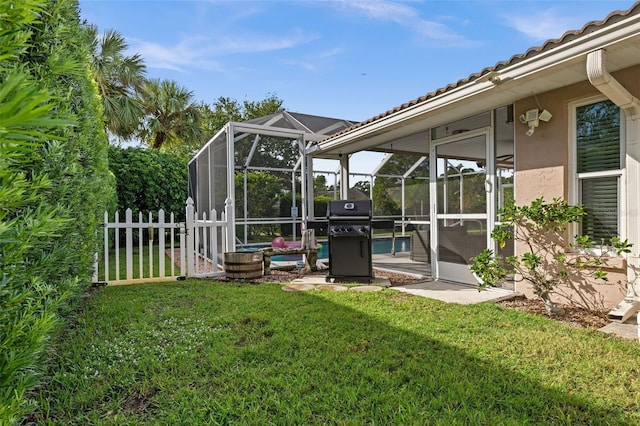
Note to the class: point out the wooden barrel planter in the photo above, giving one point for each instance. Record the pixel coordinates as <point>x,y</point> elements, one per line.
<point>243,265</point>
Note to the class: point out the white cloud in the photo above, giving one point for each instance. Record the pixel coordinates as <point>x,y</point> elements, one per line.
<point>317,61</point>
<point>305,65</point>
<point>331,52</point>
<point>207,52</point>
<point>409,17</point>
<point>186,54</point>
<point>543,24</point>
<point>395,12</point>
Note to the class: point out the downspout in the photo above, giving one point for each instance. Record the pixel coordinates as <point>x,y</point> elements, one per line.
<point>619,95</point>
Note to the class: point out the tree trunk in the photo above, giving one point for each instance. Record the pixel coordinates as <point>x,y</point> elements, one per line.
<point>158,140</point>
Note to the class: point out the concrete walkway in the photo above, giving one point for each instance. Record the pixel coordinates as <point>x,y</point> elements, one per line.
<point>401,263</point>
<point>454,293</point>
<point>440,290</point>
<point>629,329</point>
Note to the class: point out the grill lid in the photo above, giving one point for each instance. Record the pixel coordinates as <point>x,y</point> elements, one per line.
<point>350,210</point>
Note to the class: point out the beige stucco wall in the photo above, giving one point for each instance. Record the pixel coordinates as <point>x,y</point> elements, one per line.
<point>542,171</point>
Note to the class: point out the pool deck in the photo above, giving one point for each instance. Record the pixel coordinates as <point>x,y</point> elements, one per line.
<point>401,262</point>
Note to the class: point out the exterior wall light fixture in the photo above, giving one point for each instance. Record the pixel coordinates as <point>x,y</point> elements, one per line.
<point>533,117</point>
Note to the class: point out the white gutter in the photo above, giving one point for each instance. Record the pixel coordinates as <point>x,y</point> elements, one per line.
<point>619,95</point>
<point>511,76</point>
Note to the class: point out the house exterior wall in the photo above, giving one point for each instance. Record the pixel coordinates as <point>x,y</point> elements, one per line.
<point>541,165</point>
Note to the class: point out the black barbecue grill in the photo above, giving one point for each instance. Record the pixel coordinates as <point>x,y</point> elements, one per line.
<point>349,239</point>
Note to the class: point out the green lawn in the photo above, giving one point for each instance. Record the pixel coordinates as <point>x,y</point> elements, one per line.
<point>204,352</point>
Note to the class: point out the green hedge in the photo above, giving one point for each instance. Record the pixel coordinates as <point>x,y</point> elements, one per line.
<point>148,180</point>
<point>54,181</point>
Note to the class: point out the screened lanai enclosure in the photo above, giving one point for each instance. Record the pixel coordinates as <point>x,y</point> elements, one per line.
<point>273,173</point>
<point>451,196</point>
<point>258,166</point>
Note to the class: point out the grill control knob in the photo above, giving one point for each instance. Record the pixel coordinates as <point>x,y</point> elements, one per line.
<point>349,229</point>
<point>363,229</point>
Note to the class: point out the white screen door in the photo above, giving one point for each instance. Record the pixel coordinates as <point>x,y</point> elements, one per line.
<point>463,203</point>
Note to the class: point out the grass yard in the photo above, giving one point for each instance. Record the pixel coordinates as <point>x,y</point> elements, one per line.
<point>204,352</point>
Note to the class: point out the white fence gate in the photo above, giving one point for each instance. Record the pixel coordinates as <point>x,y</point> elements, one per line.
<point>207,241</point>
<point>193,248</point>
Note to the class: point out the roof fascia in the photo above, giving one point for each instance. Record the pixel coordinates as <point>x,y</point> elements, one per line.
<point>510,75</point>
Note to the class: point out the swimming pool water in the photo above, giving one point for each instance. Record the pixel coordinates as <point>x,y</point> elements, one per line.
<point>378,246</point>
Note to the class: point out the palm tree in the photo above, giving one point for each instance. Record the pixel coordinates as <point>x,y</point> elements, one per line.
<point>118,78</point>
<point>172,118</point>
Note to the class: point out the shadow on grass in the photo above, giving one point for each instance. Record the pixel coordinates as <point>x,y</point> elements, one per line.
<point>321,358</point>
<point>382,373</point>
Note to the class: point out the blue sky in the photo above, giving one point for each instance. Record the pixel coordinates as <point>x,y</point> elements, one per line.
<point>344,59</point>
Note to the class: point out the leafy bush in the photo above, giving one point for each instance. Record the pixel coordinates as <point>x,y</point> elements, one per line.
<point>541,227</point>
<point>148,180</point>
<point>53,182</point>
<point>27,225</point>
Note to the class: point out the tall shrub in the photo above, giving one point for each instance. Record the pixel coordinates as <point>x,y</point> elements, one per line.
<point>148,180</point>
<point>53,182</point>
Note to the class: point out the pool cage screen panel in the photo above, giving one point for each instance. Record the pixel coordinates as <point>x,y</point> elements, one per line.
<point>208,188</point>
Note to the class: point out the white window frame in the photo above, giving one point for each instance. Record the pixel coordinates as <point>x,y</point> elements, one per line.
<point>575,177</point>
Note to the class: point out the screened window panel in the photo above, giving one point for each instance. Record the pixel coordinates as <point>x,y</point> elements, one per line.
<point>600,200</point>
<point>598,137</point>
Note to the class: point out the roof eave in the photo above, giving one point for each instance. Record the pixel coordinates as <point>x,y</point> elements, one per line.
<point>480,90</point>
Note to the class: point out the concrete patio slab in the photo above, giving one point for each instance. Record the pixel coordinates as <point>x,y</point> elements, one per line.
<point>331,287</point>
<point>298,287</point>
<point>627,330</point>
<point>366,288</point>
<point>321,279</point>
<point>454,293</point>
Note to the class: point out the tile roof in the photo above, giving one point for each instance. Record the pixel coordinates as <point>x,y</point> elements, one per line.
<point>548,45</point>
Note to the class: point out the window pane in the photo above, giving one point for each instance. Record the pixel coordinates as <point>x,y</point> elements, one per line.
<point>598,137</point>
<point>600,200</point>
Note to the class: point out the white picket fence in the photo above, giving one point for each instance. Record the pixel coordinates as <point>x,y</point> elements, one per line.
<point>193,248</point>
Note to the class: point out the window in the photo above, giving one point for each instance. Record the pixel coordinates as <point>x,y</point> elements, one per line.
<point>598,169</point>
